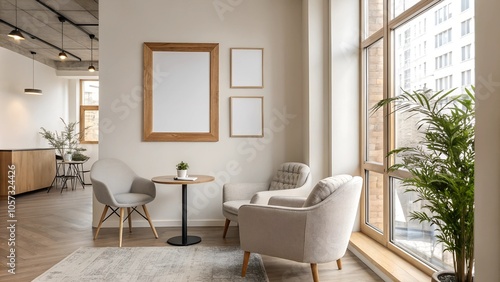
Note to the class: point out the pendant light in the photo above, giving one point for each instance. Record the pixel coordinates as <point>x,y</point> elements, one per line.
<point>91,67</point>
<point>62,54</point>
<point>33,91</point>
<point>15,33</point>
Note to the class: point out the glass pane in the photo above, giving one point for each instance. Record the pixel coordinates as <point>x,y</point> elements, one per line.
<point>375,121</point>
<point>91,123</point>
<point>465,5</point>
<point>90,93</point>
<point>375,16</point>
<point>375,200</point>
<point>416,238</point>
<point>399,6</point>
<point>431,55</point>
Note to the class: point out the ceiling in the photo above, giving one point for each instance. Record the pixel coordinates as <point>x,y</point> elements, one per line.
<point>38,21</point>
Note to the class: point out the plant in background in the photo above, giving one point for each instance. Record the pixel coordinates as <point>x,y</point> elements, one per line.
<point>182,166</point>
<point>55,140</point>
<point>78,156</point>
<point>442,168</point>
<point>66,141</point>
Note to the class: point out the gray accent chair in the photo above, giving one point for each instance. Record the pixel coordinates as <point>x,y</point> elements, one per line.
<point>118,187</point>
<point>313,230</point>
<point>291,179</point>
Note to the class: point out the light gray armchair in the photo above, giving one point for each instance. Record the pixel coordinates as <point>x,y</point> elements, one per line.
<point>316,232</point>
<point>117,187</point>
<point>291,179</point>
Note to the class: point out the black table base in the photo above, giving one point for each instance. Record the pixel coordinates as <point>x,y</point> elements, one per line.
<point>190,240</point>
<point>184,240</point>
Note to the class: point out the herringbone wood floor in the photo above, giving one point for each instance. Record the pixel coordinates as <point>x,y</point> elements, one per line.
<point>52,225</point>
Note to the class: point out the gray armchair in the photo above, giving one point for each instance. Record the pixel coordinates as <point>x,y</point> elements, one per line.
<point>291,179</point>
<point>117,187</point>
<point>316,232</point>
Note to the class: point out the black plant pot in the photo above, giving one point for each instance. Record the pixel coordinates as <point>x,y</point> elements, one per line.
<point>444,276</point>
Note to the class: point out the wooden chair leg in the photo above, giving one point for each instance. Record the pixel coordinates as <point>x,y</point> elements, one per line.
<point>101,220</point>
<point>122,212</point>
<point>226,226</point>
<point>339,264</point>
<point>129,221</point>
<point>246,258</point>
<point>314,269</point>
<point>149,220</point>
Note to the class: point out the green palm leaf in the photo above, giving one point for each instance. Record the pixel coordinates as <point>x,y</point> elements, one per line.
<point>442,167</point>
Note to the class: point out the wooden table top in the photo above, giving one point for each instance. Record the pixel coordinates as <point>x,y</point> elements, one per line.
<point>169,179</point>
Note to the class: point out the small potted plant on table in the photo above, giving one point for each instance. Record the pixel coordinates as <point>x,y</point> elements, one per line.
<point>182,168</point>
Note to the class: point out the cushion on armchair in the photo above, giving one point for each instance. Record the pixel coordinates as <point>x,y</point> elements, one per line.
<point>233,206</point>
<point>289,176</point>
<point>325,188</point>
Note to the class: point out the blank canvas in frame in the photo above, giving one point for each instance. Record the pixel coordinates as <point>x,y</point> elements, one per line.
<point>247,118</point>
<point>181,92</point>
<point>247,68</point>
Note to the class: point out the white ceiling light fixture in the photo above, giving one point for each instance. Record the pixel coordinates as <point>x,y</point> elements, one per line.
<point>91,67</point>
<point>33,91</point>
<point>62,54</point>
<point>15,33</point>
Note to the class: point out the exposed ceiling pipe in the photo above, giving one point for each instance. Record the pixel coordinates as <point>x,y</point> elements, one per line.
<point>79,26</point>
<point>38,38</point>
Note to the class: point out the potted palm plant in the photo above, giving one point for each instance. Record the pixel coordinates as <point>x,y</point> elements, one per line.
<point>442,169</point>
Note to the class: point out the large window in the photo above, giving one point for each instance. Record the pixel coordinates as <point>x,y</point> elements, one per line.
<point>89,111</point>
<point>397,58</point>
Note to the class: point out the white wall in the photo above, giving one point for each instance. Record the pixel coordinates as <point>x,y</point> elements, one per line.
<point>345,114</point>
<point>487,188</point>
<point>273,25</point>
<point>316,80</point>
<point>22,115</point>
<point>345,90</point>
<point>331,87</point>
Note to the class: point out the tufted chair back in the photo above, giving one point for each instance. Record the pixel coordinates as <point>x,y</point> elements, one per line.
<point>292,180</point>
<point>290,175</point>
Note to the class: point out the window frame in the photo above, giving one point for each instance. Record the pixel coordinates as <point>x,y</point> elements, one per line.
<point>83,109</point>
<point>386,34</point>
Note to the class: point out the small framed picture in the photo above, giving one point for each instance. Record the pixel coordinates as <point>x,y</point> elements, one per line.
<point>247,68</point>
<point>247,116</point>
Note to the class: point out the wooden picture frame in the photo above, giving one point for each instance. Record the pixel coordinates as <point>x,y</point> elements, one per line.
<point>181,92</point>
<point>247,116</point>
<point>247,67</point>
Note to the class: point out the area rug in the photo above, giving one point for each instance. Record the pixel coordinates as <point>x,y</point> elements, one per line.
<point>192,263</point>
